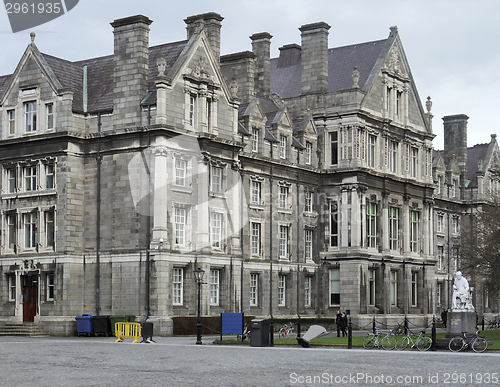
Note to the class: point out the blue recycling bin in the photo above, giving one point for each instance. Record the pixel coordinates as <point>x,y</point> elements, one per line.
<point>84,325</point>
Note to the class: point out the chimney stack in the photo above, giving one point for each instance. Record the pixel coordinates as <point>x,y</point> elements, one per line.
<point>239,69</point>
<point>261,47</point>
<point>455,142</point>
<point>314,55</point>
<point>211,22</point>
<point>131,68</point>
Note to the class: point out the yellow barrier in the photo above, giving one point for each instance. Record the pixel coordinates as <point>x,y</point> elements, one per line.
<point>127,329</point>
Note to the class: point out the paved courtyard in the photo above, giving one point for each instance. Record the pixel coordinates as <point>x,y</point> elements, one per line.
<point>179,362</point>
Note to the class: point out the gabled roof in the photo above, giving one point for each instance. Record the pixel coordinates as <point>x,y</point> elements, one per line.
<point>474,154</point>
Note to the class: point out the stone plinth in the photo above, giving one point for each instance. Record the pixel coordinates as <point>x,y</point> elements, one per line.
<point>459,322</point>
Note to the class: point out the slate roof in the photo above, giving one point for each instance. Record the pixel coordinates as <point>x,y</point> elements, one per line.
<point>286,80</point>
<point>474,154</point>
<point>4,81</point>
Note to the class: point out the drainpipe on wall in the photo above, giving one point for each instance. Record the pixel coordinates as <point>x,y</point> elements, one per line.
<point>98,221</point>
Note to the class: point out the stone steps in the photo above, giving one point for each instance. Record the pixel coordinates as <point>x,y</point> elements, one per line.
<point>31,330</point>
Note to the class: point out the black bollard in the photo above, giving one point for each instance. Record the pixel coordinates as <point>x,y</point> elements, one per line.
<point>298,328</point>
<point>373,328</point>
<point>433,334</point>
<point>349,334</point>
<point>406,326</point>
<point>483,325</point>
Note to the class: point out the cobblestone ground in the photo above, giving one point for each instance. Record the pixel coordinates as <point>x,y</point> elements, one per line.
<point>179,362</point>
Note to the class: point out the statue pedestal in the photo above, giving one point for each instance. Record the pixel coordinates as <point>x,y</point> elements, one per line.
<point>463,321</point>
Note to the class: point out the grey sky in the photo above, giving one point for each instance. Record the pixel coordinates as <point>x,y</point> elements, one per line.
<point>452,45</point>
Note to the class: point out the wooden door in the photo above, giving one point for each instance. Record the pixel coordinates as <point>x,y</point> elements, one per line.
<point>29,303</point>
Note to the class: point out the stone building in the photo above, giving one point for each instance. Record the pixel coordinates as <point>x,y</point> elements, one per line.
<point>301,184</point>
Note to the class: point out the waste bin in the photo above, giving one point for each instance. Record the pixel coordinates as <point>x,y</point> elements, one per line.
<point>147,332</point>
<point>260,333</point>
<point>84,325</point>
<point>102,325</point>
<point>120,318</point>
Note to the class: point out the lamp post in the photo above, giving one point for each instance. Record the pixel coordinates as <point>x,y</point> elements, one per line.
<point>198,273</point>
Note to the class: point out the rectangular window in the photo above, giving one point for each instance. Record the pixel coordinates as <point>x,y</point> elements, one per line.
<point>394,287</point>
<point>180,226</point>
<point>399,102</point>
<point>12,288</point>
<point>393,228</point>
<point>256,239</point>
<point>334,286</point>
<point>255,140</point>
<point>307,291</point>
<point>454,188</point>
<point>371,224</point>
<point>308,245</point>
<point>11,177</point>
<point>281,290</point>
<point>214,287</point>
<point>49,228</point>
<point>371,287</point>
<point>216,230</point>
<point>283,197</point>
<point>49,108</point>
<point>11,116</point>
<point>192,104</point>
<point>208,113</point>
<point>30,116</point>
<point>439,291</point>
<point>334,148</point>
<point>440,257</point>
<point>372,144</point>
<point>334,224</point>
<point>216,179</point>
<point>256,188</point>
<point>414,162</point>
<point>254,289</point>
<point>439,184</point>
<point>308,153</point>
<point>440,223</point>
<point>283,147</point>
<point>49,176</point>
<point>50,287</point>
<point>30,178</point>
<point>30,230</point>
<point>414,288</point>
<point>11,230</point>
<point>178,286</point>
<point>180,172</point>
<point>393,159</point>
<point>283,242</point>
<point>414,230</point>
<point>308,201</point>
<point>454,223</point>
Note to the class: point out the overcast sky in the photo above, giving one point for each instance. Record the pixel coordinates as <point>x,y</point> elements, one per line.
<point>452,45</point>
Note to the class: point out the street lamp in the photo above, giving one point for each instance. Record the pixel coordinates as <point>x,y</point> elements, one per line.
<point>198,273</point>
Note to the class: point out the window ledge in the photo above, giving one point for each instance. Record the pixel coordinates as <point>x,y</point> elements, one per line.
<point>48,192</point>
<point>285,211</point>
<point>180,189</point>
<point>255,206</point>
<point>311,214</point>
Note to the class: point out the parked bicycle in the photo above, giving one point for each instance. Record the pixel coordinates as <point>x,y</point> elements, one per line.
<point>388,341</point>
<point>247,333</point>
<point>494,324</point>
<point>461,343</point>
<point>421,342</point>
<point>285,330</point>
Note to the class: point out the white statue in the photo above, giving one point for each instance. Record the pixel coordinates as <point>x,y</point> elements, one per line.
<point>462,300</point>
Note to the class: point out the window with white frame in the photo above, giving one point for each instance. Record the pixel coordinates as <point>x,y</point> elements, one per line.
<point>30,116</point>
<point>308,205</point>
<point>307,291</point>
<point>49,228</point>
<point>372,145</point>
<point>30,229</point>
<point>12,288</point>
<point>283,147</point>
<point>454,223</point>
<point>180,226</point>
<point>399,104</point>
<point>256,239</point>
<point>454,188</point>
<point>440,223</point>
<point>439,184</point>
<point>180,172</point>
<point>414,288</point>
<point>440,257</point>
<point>208,112</point>
<point>283,196</point>
<point>255,192</point>
<point>334,290</point>
<point>11,117</point>
<point>393,157</point>
<point>371,224</point>
<point>49,111</point>
<point>214,286</point>
<point>216,230</point>
<point>334,224</point>
<point>334,148</point>
<point>308,153</point>
<point>414,230</point>
<point>283,241</point>
<point>192,110</point>
<point>414,162</point>
<point>393,228</point>
<point>394,287</point>
<point>371,287</point>
<point>11,180</point>
<point>439,292</point>
<point>454,254</point>
<point>281,290</point>
<point>11,230</point>
<point>30,178</point>
<point>255,139</point>
<point>178,286</point>
<point>308,245</point>
<point>49,176</point>
<point>216,183</point>
<point>254,289</point>
<point>50,289</point>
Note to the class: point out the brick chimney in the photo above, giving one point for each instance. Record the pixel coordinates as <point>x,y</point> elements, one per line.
<point>455,142</point>
<point>211,22</point>
<point>131,68</point>
<point>261,47</point>
<point>314,55</point>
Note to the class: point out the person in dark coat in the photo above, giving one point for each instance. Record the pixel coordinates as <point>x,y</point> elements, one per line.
<point>337,321</point>
<point>444,317</point>
<point>343,324</point>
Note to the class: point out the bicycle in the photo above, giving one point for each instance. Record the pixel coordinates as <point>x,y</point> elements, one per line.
<point>494,325</point>
<point>247,333</point>
<point>285,330</point>
<point>460,343</point>
<point>373,340</point>
<point>421,342</point>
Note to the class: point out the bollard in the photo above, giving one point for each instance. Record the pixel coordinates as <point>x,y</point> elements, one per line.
<point>483,324</point>
<point>373,328</point>
<point>406,325</point>
<point>433,334</point>
<point>349,334</point>
<point>298,327</point>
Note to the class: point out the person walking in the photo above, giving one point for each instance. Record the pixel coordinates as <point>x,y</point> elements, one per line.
<point>343,324</point>
<point>337,321</point>
<point>444,317</point>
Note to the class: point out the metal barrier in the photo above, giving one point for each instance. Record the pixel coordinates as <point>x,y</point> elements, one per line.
<point>127,329</point>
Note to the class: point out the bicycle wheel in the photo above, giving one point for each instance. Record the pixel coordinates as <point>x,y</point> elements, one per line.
<point>479,344</point>
<point>369,341</point>
<point>389,342</point>
<point>402,343</point>
<point>456,344</point>
<point>424,343</point>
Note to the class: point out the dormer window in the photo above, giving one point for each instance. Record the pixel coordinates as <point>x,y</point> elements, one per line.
<point>255,140</point>
<point>11,116</point>
<point>192,105</point>
<point>372,144</point>
<point>283,145</point>
<point>308,153</point>
<point>30,116</point>
<point>49,110</point>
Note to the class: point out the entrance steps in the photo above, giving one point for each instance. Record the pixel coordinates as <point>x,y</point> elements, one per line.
<point>26,329</point>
